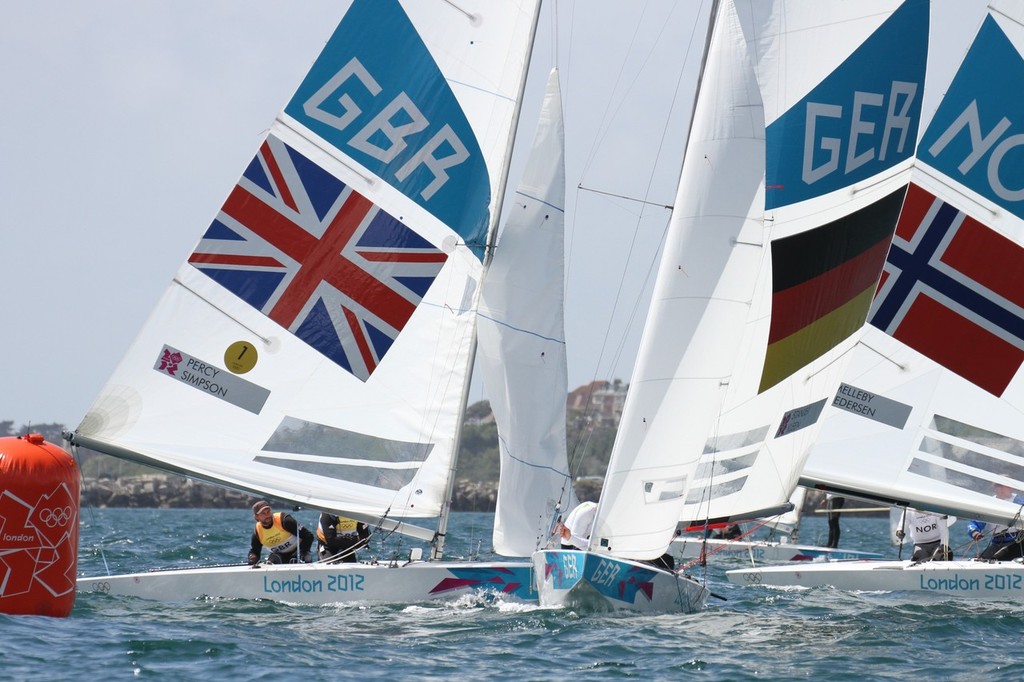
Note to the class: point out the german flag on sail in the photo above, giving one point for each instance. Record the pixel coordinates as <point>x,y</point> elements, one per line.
<point>823,281</point>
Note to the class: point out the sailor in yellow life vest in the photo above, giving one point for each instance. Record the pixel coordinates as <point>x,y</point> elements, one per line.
<point>281,534</point>
<point>340,537</point>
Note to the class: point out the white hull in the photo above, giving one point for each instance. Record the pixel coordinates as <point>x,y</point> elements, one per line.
<point>760,551</point>
<point>1001,580</point>
<point>598,582</point>
<point>317,584</point>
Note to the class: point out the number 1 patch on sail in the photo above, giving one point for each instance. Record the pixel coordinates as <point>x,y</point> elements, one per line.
<point>211,379</point>
<point>318,258</point>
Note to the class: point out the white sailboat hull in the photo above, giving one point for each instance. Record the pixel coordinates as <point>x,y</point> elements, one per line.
<point>760,551</point>
<point>978,579</point>
<point>598,582</point>
<point>318,584</point>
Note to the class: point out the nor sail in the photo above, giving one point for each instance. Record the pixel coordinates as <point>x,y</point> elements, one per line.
<point>928,413</point>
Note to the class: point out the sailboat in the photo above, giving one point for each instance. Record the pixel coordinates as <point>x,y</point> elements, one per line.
<point>781,543</point>
<point>793,175</point>
<point>316,346</point>
<point>930,408</point>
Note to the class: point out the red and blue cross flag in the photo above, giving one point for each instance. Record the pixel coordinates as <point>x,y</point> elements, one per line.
<point>952,290</point>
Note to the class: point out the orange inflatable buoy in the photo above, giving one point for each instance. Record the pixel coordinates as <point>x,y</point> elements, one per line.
<point>39,489</point>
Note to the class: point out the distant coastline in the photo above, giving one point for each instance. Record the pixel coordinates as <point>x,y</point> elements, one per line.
<point>167,491</point>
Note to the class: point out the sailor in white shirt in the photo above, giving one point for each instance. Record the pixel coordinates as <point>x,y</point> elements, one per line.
<point>929,532</point>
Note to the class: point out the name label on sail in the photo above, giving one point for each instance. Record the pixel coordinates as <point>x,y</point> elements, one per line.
<point>211,379</point>
<point>871,405</point>
<point>800,418</point>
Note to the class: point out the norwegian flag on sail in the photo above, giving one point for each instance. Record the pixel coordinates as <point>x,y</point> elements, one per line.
<point>953,290</point>
<point>318,258</point>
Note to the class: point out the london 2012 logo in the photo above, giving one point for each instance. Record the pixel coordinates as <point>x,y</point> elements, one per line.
<point>39,542</point>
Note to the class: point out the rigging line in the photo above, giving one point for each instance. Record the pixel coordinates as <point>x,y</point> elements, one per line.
<point>635,308</point>
<point>473,18</point>
<point>864,343</point>
<point>92,510</point>
<point>623,196</point>
<point>221,310</point>
<point>650,182</point>
<point>605,124</point>
<point>577,453</point>
<point>1015,20</point>
<point>554,33</point>
<point>953,187</point>
<point>834,360</point>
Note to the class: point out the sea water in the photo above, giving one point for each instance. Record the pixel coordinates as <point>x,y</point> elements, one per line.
<point>750,633</point>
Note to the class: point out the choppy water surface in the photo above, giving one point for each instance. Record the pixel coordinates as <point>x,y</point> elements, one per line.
<point>755,633</point>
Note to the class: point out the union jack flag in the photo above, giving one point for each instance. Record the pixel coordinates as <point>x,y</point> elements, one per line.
<point>318,258</point>
<point>953,290</point>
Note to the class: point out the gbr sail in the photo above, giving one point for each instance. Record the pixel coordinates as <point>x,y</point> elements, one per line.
<point>315,346</point>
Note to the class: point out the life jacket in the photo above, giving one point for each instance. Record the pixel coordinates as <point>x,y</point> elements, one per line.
<point>346,528</point>
<point>276,538</point>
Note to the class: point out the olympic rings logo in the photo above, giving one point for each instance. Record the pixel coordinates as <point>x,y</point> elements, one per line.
<point>56,517</point>
<point>102,587</point>
<point>753,578</point>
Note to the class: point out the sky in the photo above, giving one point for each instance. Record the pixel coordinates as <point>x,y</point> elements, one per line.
<point>127,122</point>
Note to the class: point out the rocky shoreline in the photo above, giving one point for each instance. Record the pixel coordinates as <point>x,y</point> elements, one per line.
<point>166,491</point>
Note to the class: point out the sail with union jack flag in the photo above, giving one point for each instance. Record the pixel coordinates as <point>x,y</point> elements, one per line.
<point>325,319</point>
<point>318,258</point>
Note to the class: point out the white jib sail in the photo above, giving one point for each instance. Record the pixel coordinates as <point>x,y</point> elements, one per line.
<point>521,348</point>
<point>315,345</point>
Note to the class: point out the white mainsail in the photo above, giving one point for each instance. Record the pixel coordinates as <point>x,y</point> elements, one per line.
<point>802,136</point>
<point>521,348</point>
<point>316,346</point>
<point>929,414</point>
